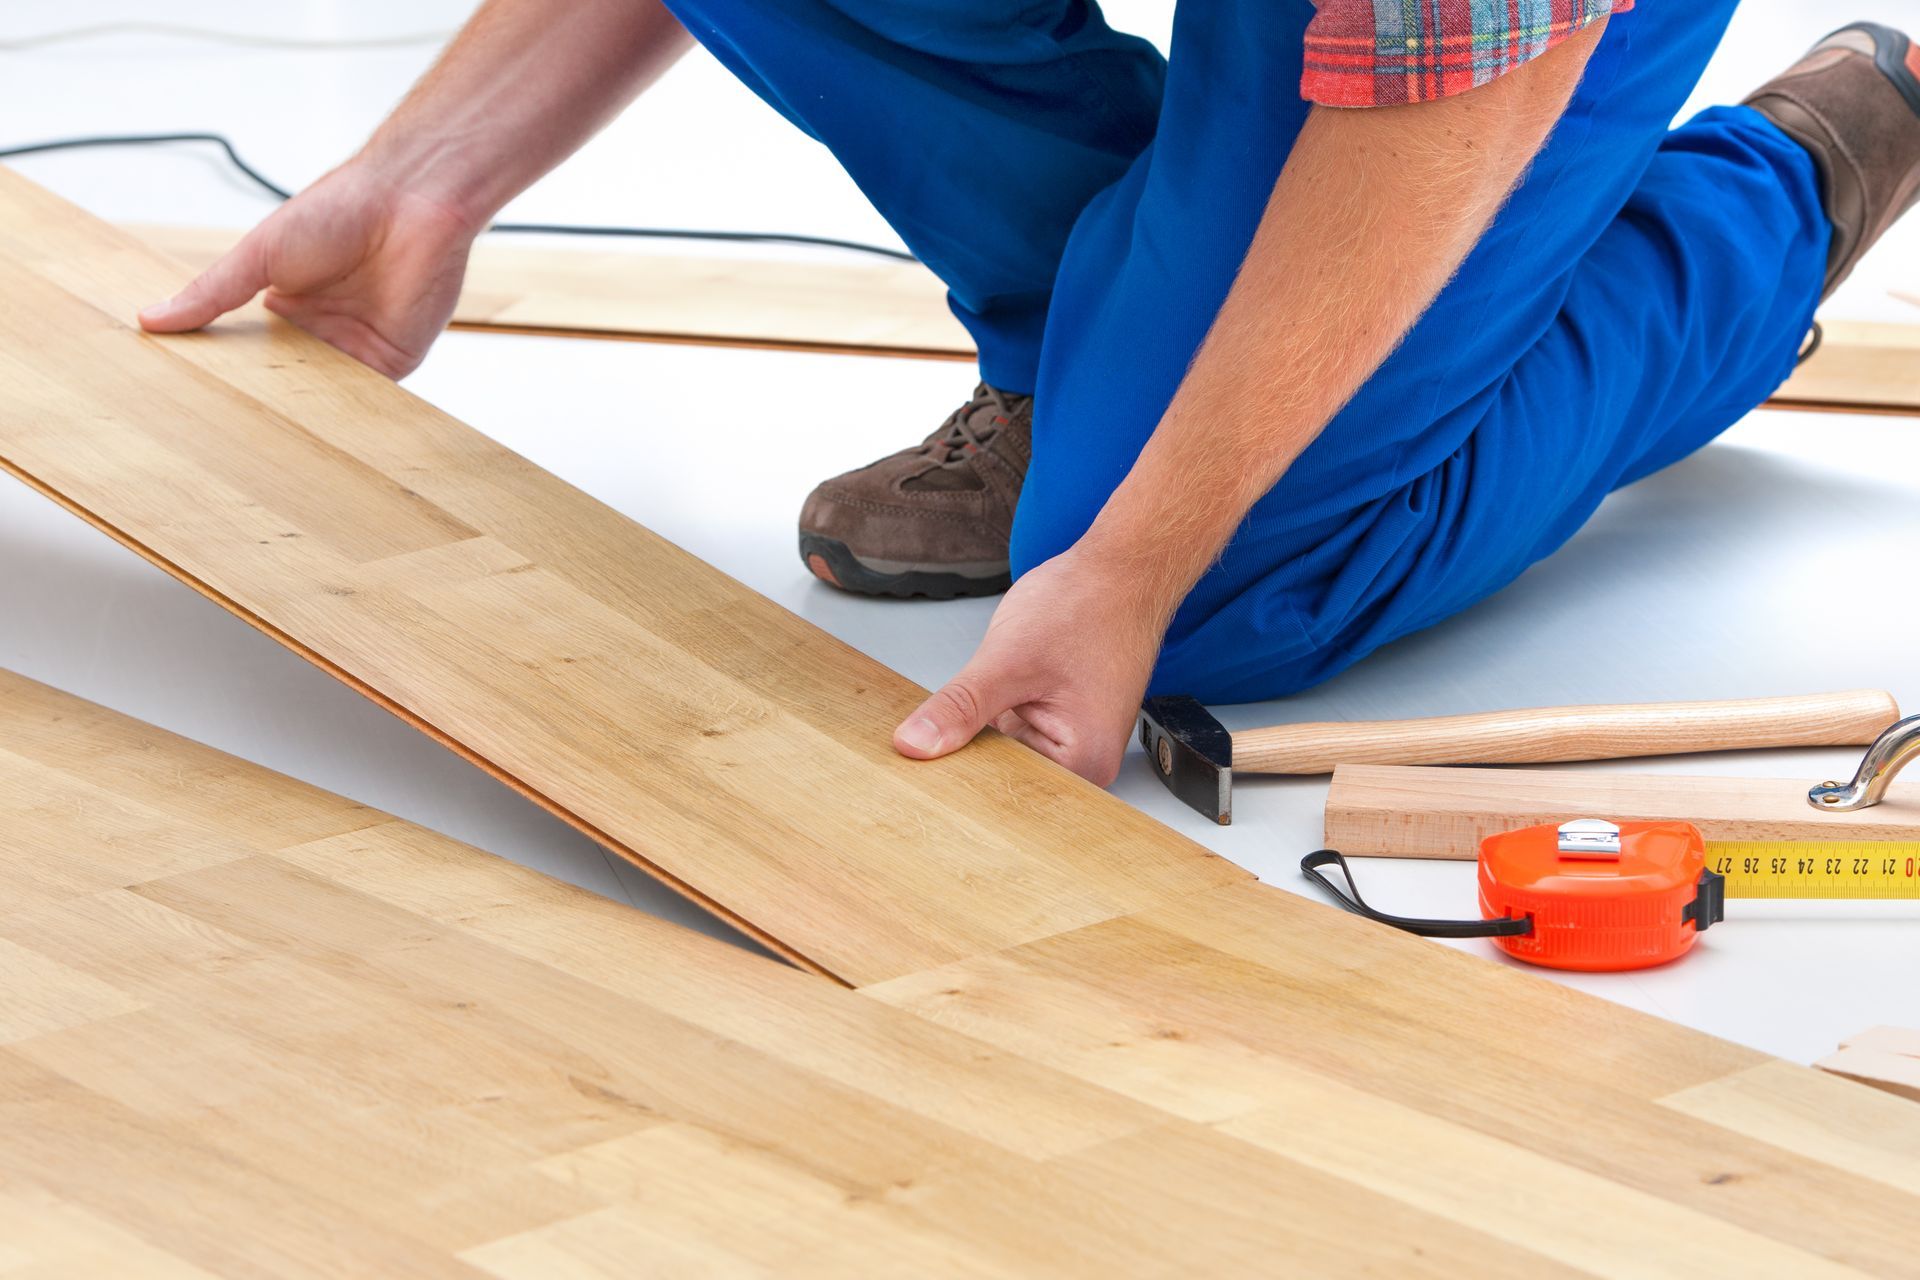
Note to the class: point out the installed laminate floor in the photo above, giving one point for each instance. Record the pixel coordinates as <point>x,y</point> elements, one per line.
<point>250,1029</point>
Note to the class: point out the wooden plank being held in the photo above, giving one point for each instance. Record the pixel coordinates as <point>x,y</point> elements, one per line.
<point>1411,811</point>
<point>725,745</point>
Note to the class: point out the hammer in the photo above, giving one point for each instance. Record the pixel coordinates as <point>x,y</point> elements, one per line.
<point>1195,755</point>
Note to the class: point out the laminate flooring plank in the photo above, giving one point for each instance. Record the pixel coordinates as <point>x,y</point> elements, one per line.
<point>723,744</point>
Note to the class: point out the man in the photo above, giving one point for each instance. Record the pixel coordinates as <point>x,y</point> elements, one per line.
<point>1306,338</point>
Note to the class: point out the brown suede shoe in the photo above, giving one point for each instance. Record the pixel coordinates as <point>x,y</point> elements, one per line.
<point>932,520</point>
<point>1854,103</point>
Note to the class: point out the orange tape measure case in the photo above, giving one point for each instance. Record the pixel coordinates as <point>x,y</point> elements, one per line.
<point>1586,894</point>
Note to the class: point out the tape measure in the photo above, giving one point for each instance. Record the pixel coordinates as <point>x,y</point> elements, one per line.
<point>1596,895</point>
<point>1817,869</point>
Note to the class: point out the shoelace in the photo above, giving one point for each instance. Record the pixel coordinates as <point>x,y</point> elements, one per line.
<point>957,436</point>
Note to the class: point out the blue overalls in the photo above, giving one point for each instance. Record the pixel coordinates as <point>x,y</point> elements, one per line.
<point>1088,203</point>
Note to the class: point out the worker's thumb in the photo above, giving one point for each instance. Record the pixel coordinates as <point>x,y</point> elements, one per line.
<point>229,283</point>
<point>951,718</point>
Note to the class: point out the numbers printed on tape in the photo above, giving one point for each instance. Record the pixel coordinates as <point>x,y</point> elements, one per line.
<point>1809,869</point>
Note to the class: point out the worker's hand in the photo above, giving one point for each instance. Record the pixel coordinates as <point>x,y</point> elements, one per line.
<point>1062,668</point>
<point>354,259</point>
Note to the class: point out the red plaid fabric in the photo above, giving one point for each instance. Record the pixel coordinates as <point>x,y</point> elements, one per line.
<point>1375,53</point>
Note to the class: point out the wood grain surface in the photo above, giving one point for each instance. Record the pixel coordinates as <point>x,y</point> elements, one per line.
<point>899,309</point>
<point>248,1029</point>
<point>1538,735</point>
<point>1407,811</point>
<point>718,741</point>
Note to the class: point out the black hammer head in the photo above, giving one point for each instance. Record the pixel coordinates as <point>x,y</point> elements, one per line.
<point>1191,751</point>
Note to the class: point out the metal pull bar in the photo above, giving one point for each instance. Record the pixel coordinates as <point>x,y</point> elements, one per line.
<point>1887,756</point>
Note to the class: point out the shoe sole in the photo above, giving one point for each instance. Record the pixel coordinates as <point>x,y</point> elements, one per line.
<point>1890,54</point>
<point>829,560</point>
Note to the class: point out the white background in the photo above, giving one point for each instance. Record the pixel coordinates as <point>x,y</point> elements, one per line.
<point>1777,561</point>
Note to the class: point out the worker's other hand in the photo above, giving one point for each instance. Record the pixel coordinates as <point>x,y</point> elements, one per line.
<point>1062,668</point>
<point>354,259</point>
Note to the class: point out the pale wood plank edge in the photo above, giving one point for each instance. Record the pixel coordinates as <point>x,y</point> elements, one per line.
<point>1876,408</point>
<point>719,340</point>
<point>452,744</point>
<point>1886,409</point>
<point>1891,1073</point>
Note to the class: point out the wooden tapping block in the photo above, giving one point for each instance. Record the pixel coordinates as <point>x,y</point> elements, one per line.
<point>894,309</point>
<point>722,744</point>
<point>1414,812</point>
<point>250,1029</point>
<point>827,303</point>
<point>1888,1058</point>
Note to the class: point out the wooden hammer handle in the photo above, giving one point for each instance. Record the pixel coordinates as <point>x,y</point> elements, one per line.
<point>1571,733</point>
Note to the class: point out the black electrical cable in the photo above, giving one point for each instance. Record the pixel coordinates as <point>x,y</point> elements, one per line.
<point>143,139</point>
<point>536,228</point>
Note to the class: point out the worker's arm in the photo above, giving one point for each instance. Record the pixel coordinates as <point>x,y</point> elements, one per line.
<point>1372,213</point>
<point>371,256</point>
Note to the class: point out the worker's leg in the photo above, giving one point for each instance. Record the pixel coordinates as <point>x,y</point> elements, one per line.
<point>1636,295</point>
<point>978,128</point>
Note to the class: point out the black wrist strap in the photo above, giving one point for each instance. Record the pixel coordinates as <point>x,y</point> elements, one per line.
<point>1350,899</point>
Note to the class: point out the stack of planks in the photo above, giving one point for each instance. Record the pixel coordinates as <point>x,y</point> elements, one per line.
<point>249,1029</point>
<point>900,309</point>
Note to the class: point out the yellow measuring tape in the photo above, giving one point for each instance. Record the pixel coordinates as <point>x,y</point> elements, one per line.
<point>1817,869</point>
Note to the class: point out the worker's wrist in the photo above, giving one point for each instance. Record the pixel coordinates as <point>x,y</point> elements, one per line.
<point>438,172</point>
<point>1148,572</point>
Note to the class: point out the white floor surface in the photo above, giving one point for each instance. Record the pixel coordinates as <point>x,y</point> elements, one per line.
<point>1776,561</point>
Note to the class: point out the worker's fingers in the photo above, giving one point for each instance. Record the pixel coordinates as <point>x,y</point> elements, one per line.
<point>1016,726</point>
<point>954,716</point>
<point>1095,757</point>
<point>349,333</point>
<point>231,282</point>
